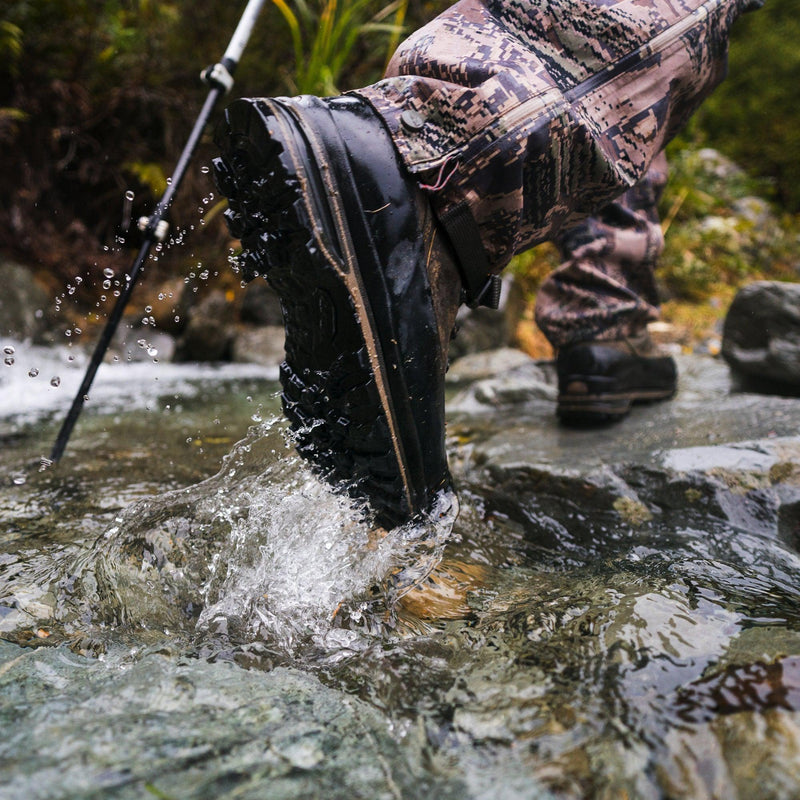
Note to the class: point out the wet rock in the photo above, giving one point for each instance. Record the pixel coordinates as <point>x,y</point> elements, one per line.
<point>481,329</point>
<point>259,345</point>
<point>761,336</point>
<point>260,305</point>
<point>656,466</point>
<point>486,364</point>
<point>500,377</point>
<point>209,333</point>
<point>23,303</point>
<point>131,726</point>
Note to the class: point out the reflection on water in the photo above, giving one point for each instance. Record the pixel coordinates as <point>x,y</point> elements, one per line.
<point>210,620</point>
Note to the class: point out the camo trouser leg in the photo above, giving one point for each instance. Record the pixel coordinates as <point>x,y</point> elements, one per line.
<point>606,288</point>
<point>529,115</point>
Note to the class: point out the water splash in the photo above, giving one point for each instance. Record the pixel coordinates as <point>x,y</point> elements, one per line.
<point>264,551</point>
<point>304,565</point>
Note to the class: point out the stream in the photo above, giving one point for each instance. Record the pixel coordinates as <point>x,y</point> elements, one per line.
<point>187,612</point>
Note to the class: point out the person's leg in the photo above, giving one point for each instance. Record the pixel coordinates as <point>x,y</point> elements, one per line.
<point>500,124</point>
<point>522,117</point>
<point>595,307</point>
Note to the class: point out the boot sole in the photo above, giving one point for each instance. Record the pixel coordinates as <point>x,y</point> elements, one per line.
<point>606,407</point>
<point>336,391</point>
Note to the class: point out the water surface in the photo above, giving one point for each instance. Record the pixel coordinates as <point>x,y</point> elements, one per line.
<point>187,612</point>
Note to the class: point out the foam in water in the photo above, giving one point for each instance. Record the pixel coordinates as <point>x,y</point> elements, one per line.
<point>304,556</point>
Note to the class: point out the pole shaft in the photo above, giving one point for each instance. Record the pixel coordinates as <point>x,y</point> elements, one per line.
<point>231,58</point>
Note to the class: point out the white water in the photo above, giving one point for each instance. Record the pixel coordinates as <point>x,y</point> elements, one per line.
<point>41,381</point>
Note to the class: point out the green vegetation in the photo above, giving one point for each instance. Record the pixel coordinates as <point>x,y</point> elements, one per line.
<point>97,96</point>
<point>753,116</point>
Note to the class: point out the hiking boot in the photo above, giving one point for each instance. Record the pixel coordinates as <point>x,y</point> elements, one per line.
<point>368,286</point>
<point>599,381</point>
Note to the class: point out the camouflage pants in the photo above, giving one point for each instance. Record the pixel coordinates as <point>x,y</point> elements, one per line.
<point>606,287</point>
<point>520,118</point>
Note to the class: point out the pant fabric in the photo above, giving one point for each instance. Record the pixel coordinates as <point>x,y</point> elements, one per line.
<point>605,288</point>
<point>536,114</point>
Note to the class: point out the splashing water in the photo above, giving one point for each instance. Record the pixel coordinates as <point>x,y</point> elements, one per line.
<point>263,551</point>
<point>304,558</point>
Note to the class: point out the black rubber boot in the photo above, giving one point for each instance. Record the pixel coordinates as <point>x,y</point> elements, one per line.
<point>599,381</point>
<point>368,286</point>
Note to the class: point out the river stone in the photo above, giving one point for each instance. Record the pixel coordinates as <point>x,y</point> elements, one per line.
<point>761,335</point>
<point>23,303</point>
<point>262,345</point>
<point>486,364</point>
<point>209,334</point>
<point>131,727</point>
<point>260,305</point>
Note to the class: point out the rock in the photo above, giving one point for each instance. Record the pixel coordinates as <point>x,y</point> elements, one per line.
<point>714,163</point>
<point>486,364</point>
<point>23,303</point>
<point>260,305</point>
<point>761,336</point>
<point>260,345</point>
<point>141,344</point>
<point>482,329</point>
<point>170,306</point>
<point>663,465</point>
<point>209,334</point>
<point>754,210</point>
<point>126,728</point>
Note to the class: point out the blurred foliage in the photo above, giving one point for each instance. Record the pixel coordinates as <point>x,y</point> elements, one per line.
<point>753,116</point>
<point>97,98</point>
<point>719,231</point>
<point>324,36</point>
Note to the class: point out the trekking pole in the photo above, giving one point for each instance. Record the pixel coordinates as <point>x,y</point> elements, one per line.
<point>219,78</point>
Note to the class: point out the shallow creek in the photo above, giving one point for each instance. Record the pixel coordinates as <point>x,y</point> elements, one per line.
<point>186,612</point>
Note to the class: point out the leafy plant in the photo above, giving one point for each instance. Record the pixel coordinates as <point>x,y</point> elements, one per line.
<point>324,34</point>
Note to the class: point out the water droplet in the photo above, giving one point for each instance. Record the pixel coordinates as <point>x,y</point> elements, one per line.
<point>177,318</point>
<point>108,272</point>
<point>78,331</point>
<point>33,372</point>
<point>106,285</point>
<point>148,309</point>
<point>204,169</point>
<point>152,352</point>
<point>67,333</point>
<point>129,195</point>
<point>9,350</point>
<point>18,479</point>
<point>142,343</point>
<point>9,361</point>
<point>56,381</point>
<point>71,290</point>
<point>78,280</point>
